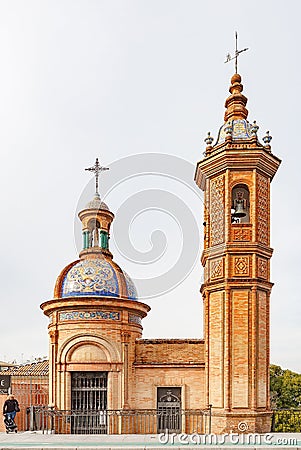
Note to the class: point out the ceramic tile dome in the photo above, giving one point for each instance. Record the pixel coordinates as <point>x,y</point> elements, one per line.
<point>96,277</point>
<point>240,129</point>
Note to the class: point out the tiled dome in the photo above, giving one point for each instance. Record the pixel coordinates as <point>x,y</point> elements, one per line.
<point>241,129</point>
<point>95,277</point>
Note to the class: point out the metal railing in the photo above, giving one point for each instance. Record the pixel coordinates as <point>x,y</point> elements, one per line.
<point>143,421</point>
<point>146,421</point>
<point>286,420</point>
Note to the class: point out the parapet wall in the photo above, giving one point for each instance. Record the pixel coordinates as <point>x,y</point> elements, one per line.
<point>170,351</point>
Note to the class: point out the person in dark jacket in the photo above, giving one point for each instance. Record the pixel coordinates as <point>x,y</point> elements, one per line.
<point>10,407</point>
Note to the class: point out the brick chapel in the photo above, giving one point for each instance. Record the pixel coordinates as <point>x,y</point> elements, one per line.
<point>98,358</point>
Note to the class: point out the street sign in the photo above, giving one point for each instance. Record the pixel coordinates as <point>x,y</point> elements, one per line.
<point>4,383</point>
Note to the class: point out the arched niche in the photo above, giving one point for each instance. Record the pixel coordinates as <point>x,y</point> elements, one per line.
<point>87,353</point>
<point>240,204</point>
<point>105,348</point>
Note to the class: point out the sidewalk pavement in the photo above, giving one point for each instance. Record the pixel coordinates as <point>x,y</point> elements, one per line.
<point>30,441</point>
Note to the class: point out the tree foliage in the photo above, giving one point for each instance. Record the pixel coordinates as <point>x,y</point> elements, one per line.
<point>285,388</point>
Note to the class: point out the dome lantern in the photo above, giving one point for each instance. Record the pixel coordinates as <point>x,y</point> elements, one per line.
<point>96,219</point>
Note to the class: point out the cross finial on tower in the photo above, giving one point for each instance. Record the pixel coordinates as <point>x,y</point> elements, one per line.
<point>237,53</point>
<point>97,169</point>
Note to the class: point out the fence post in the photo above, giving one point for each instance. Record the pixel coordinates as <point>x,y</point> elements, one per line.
<point>43,421</point>
<point>31,418</point>
<point>52,423</point>
<point>273,422</point>
<point>210,418</point>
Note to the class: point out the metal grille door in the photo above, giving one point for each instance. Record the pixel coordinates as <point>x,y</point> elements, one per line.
<point>89,402</point>
<point>169,409</point>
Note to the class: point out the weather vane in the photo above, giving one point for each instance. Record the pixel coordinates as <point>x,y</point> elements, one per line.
<point>237,53</point>
<point>97,169</point>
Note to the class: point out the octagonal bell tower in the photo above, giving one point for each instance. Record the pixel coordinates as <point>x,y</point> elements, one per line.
<point>235,175</point>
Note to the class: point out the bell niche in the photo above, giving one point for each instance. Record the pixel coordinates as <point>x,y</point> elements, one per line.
<point>240,204</point>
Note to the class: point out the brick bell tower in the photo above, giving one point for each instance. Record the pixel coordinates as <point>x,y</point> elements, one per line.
<point>235,175</point>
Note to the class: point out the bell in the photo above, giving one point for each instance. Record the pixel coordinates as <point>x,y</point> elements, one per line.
<point>239,209</point>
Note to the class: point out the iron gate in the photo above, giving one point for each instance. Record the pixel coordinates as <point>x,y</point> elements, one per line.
<point>89,401</point>
<point>169,409</point>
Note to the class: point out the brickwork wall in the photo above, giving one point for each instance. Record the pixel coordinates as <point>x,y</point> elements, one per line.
<point>166,351</point>
<point>169,362</point>
<point>216,349</point>
<point>240,349</point>
<point>261,366</point>
<point>192,382</point>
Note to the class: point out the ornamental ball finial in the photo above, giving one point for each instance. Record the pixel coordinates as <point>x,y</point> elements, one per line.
<point>236,78</point>
<point>267,138</point>
<point>209,139</point>
<point>254,128</point>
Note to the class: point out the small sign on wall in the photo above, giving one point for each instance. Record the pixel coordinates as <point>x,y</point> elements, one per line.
<point>5,384</point>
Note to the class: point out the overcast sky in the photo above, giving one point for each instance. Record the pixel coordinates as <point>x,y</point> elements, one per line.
<point>115,79</point>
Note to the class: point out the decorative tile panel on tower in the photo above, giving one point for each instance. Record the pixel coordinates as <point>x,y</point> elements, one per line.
<point>217,204</point>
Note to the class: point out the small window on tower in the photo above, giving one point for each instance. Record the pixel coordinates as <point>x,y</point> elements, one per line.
<point>94,227</point>
<point>240,207</point>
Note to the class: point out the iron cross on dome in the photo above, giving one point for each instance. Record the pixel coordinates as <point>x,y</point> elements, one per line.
<point>97,169</point>
<point>237,53</point>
